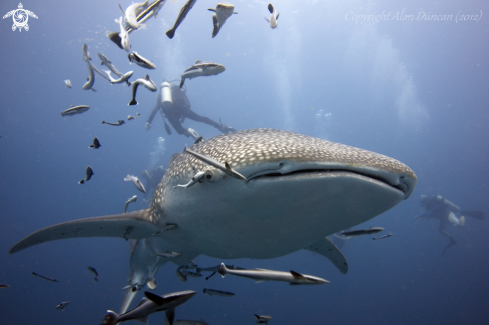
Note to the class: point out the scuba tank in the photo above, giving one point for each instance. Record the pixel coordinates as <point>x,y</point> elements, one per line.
<point>166,96</point>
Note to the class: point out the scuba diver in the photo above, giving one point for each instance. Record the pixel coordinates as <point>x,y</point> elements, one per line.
<point>435,206</point>
<point>175,107</point>
<point>153,177</point>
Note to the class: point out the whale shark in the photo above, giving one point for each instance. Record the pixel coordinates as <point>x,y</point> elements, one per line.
<point>292,191</point>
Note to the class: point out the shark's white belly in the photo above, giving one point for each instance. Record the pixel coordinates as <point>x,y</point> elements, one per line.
<point>272,216</point>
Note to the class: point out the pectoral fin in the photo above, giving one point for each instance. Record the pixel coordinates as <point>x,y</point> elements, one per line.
<point>326,248</point>
<point>133,225</point>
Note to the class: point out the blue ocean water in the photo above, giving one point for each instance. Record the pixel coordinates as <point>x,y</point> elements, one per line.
<point>412,89</point>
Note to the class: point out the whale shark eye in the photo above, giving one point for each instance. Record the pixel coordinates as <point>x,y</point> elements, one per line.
<point>209,176</point>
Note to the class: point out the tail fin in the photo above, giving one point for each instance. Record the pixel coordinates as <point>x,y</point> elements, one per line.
<point>222,270</point>
<point>216,26</point>
<point>133,102</point>
<point>111,318</point>
<point>170,33</point>
<point>114,37</point>
<point>270,8</point>
<point>182,81</point>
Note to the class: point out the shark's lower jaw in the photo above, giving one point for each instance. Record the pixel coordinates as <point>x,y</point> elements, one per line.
<point>280,214</point>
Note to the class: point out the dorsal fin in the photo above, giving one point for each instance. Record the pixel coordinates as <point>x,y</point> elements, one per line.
<point>142,301</point>
<point>198,61</point>
<point>147,77</point>
<point>210,9</point>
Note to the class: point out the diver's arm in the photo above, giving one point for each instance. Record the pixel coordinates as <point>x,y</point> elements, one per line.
<point>153,112</point>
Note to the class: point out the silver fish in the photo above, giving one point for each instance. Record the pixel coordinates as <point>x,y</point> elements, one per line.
<point>273,17</point>
<point>75,110</point>
<point>221,14</point>
<point>130,14</point>
<point>181,16</point>
<point>136,182</point>
<point>91,76</point>
<point>368,231</point>
<point>262,319</point>
<point>197,177</point>
<point>119,122</point>
<point>67,83</point>
<point>91,269</point>
<point>124,35</point>
<point>385,236</point>
<point>110,66</point>
<point>122,79</point>
<point>201,68</point>
<point>146,82</point>
<point>141,61</point>
<point>44,277</point>
<point>260,275</point>
<point>132,199</point>
<point>62,305</point>
<point>212,292</point>
<point>149,305</point>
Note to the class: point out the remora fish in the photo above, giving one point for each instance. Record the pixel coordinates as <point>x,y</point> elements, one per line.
<point>222,13</point>
<point>260,275</point>
<point>44,277</point>
<point>152,304</point>
<point>123,78</point>
<point>130,14</point>
<point>67,83</point>
<point>369,231</point>
<point>96,144</point>
<point>141,61</point>
<point>132,199</point>
<point>75,110</point>
<point>212,292</point>
<point>287,174</point>
<point>146,82</point>
<point>385,236</point>
<point>202,69</point>
<point>181,16</point>
<point>62,305</point>
<point>262,319</point>
<point>91,76</point>
<point>109,66</point>
<point>136,182</point>
<point>124,36</point>
<point>91,269</point>
<point>273,17</point>
<point>119,122</point>
<point>144,15</point>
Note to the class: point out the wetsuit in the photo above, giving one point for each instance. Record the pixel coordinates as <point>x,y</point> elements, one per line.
<point>180,109</point>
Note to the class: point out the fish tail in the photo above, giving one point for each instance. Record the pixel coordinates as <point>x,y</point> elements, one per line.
<point>170,33</point>
<point>182,81</point>
<point>111,318</point>
<point>222,270</point>
<point>133,102</point>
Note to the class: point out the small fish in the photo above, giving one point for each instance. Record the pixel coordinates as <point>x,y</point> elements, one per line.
<point>273,18</point>
<point>119,122</point>
<point>91,75</point>
<point>169,254</point>
<point>146,82</point>
<point>88,173</point>
<point>260,275</point>
<point>96,144</point>
<point>181,16</point>
<point>91,269</point>
<point>130,14</point>
<point>75,110</point>
<point>125,77</point>
<point>124,36</point>
<point>44,277</point>
<point>67,83</point>
<point>212,292</point>
<point>136,182</point>
<point>62,305</point>
<point>368,231</point>
<point>208,160</point>
<point>385,236</point>
<point>110,66</point>
<point>152,304</point>
<point>169,226</point>
<point>201,68</point>
<point>130,117</point>
<point>197,177</point>
<point>132,199</point>
<point>222,13</point>
<point>181,275</point>
<point>262,319</point>
<point>2,285</point>
<point>141,61</point>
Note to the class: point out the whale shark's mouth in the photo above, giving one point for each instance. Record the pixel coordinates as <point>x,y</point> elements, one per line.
<point>401,182</point>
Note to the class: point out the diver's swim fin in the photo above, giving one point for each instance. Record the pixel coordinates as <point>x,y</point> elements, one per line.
<point>326,248</point>
<point>133,225</point>
<point>450,244</point>
<point>474,214</point>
